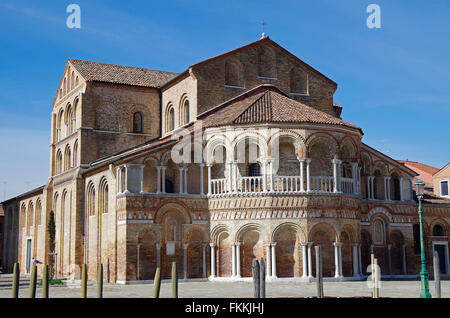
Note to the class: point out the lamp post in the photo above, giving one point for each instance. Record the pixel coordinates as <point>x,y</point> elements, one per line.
<point>424,290</point>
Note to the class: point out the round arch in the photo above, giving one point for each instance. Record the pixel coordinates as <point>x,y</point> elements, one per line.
<point>166,207</point>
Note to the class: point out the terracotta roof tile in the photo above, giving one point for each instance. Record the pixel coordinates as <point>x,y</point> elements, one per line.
<point>424,171</point>
<point>120,74</point>
<point>265,104</point>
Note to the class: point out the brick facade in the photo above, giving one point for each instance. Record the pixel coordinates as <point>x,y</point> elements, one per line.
<point>120,198</point>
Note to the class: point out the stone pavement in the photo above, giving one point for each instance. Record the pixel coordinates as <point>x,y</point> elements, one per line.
<point>396,289</point>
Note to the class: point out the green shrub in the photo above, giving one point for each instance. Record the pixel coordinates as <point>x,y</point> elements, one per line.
<point>52,282</point>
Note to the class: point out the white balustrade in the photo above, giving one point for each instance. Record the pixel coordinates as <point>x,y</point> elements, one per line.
<point>219,186</point>
<point>282,184</point>
<point>287,184</point>
<point>347,185</point>
<point>322,184</point>
<point>250,184</point>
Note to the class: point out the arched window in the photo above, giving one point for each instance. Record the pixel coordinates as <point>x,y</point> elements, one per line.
<point>64,86</point>
<point>67,158</point>
<point>77,81</point>
<point>266,62</point>
<point>30,216</point>
<point>38,212</point>
<point>58,162</point>
<point>90,202</point>
<point>74,115</point>
<point>72,80</point>
<point>23,216</point>
<point>103,196</point>
<point>69,84</point>
<point>69,120</point>
<point>378,232</point>
<point>416,238</point>
<point>185,112</point>
<point>298,81</point>
<point>138,123</point>
<point>75,154</point>
<point>438,230</point>
<point>234,74</point>
<point>170,118</point>
<point>59,125</point>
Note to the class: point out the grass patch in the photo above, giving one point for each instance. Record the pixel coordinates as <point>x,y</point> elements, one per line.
<point>53,282</point>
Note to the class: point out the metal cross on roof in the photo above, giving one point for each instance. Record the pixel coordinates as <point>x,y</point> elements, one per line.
<point>263,28</point>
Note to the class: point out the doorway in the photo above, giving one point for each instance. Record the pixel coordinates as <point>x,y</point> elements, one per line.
<point>442,250</point>
<point>28,259</point>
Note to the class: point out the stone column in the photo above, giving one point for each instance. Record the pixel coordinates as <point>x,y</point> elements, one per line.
<point>359,260</point>
<point>372,188</point>
<point>233,260</point>
<point>201,165</point>
<point>238,259</point>
<point>158,254</point>
<point>339,186</point>
<point>274,260</point>
<point>308,178</point>
<point>138,266</point>
<point>230,176</point>
<point>235,176</point>
<point>158,179</point>
<point>272,181</point>
<point>185,246</point>
<point>204,257</point>
<point>304,259</point>
<point>405,271</point>
<point>385,188</point>
<point>335,174</point>
<point>359,181</point>
<point>126,179</point>
<point>213,260</point>
<point>209,178</point>
<point>269,261</point>
<point>142,177</point>
<point>389,188</point>
<point>185,180</point>
<point>163,179</point>
<point>401,188</point>
<point>355,260</point>
<point>310,244</point>
<point>368,188</point>
<point>180,179</point>
<point>337,259</point>
<point>264,162</point>
<point>117,179</point>
<point>355,176</point>
<point>389,247</point>
<point>302,178</point>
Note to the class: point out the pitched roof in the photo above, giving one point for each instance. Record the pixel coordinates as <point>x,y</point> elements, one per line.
<point>439,170</point>
<point>120,74</point>
<point>266,104</point>
<point>425,172</point>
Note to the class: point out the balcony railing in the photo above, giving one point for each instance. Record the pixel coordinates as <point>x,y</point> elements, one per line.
<point>347,185</point>
<point>281,184</point>
<point>220,186</point>
<point>287,184</point>
<point>322,184</point>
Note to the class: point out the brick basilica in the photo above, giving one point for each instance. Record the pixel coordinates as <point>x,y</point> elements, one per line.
<point>274,172</point>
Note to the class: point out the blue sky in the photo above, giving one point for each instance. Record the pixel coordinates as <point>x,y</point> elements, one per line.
<point>393,81</point>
